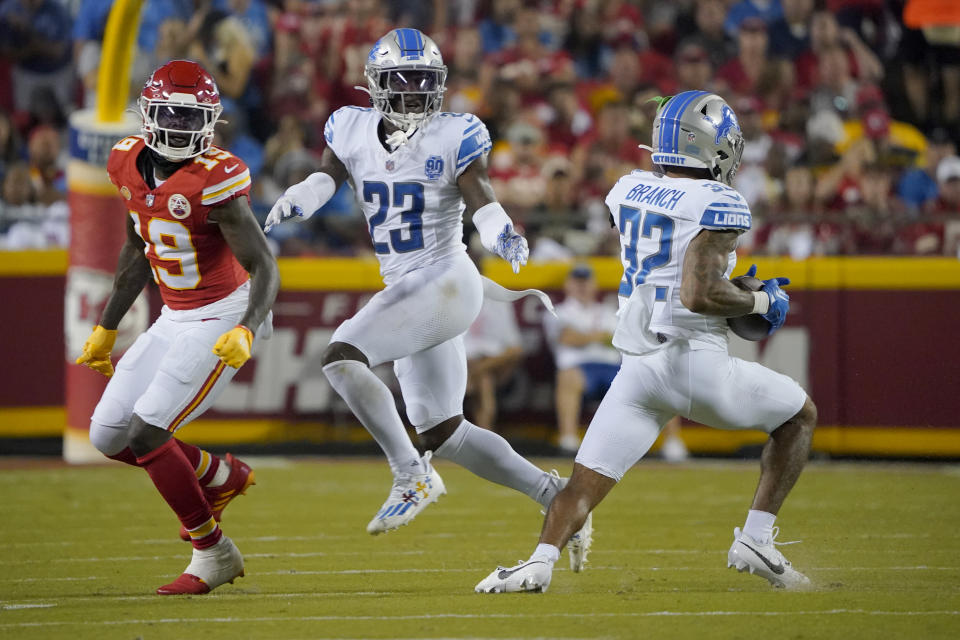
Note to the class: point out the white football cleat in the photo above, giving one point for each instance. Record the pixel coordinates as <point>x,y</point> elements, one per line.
<point>208,569</point>
<point>579,545</point>
<point>764,560</point>
<point>410,494</point>
<point>532,575</point>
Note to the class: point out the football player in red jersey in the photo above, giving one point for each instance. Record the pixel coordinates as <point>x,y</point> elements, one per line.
<point>191,229</point>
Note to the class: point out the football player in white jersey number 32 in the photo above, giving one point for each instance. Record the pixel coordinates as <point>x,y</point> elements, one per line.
<point>415,170</point>
<point>679,227</point>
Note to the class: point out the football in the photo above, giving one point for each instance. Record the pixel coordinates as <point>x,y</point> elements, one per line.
<point>752,326</point>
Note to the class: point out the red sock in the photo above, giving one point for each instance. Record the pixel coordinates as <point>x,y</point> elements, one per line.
<point>176,480</point>
<point>125,456</point>
<point>204,464</point>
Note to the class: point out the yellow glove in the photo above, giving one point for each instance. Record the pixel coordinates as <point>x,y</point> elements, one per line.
<point>233,347</point>
<point>96,350</point>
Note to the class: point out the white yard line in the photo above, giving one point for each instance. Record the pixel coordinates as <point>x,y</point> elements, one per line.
<point>486,615</point>
<point>590,567</point>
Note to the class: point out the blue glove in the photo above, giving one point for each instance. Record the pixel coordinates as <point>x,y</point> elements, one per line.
<point>779,302</point>
<point>512,247</point>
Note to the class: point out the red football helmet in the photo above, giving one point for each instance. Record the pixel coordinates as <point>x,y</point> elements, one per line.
<point>180,104</point>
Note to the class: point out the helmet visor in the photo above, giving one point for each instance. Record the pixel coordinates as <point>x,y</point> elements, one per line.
<point>180,118</point>
<point>410,80</point>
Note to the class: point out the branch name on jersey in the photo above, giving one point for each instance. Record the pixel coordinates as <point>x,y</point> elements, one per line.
<point>410,196</point>
<point>191,261</point>
<point>658,217</point>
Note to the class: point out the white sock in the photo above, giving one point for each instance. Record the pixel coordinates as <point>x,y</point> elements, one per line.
<point>545,552</point>
<point>759,526</point>
<point>372,403</point>
<point>489,456</point>
<point>223,472</point>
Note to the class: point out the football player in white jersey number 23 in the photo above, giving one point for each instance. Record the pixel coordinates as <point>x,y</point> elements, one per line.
<point>415,170</point>
<point>679,227</point>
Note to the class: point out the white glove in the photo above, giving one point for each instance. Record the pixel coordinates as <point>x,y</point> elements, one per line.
<point>512,247</point>
<point>302,199</point>
<point>284,209</point>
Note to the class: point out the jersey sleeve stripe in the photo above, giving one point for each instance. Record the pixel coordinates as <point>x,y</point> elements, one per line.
<point>472,146</point>
<point>226,192</point>
<point>728,205</point>
<point>212,190</point>
<point>472,128</point>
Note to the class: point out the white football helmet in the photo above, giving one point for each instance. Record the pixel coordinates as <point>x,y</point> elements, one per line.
<point>698,129</point>
<point>406,77</point>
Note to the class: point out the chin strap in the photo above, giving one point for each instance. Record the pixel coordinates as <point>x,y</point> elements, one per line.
<point>400,137</point>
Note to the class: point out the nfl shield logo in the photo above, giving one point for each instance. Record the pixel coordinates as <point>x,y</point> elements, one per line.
<point>433,168</point>
<point>149,199</point>
<point>391,165</point>
<point>691,136</point>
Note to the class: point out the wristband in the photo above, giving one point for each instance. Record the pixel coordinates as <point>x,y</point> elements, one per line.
<point>761,302</point>
<point>490,220</point>
<point>314,192</point>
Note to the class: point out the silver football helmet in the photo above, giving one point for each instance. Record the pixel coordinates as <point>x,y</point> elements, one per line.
<point>406,77</point>
<point>698,129</point>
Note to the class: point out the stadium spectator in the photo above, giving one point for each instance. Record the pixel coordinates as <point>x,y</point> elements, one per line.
<point>580,336</point>
<point>25,222</point>
<point>871,221</point>
<point>826,33</point>
<point>528,63</point>
<point>496,30</point>
<point>765,10</point>
<point>918,186</point>
<point>565,119</point>
<point>9,143</point>
<point>710,32</point>
<point>791,225</point>
<point>256,21</point>
<point>930,53</point>
<point>693,66</point>
<point>46,167</point>
<point>898,144</point>
<point>494,350</point>
<point>515,171</point>
<point>744,74</point>
<point>928,236</point>
<point>752,180</point>
<point>948,182</point>
<point>790,34</point>
<point>89,26</point>
<point>608,152</point>
<point>36,36</point>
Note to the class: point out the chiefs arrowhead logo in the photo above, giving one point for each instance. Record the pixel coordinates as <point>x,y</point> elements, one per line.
<point>178,206</point>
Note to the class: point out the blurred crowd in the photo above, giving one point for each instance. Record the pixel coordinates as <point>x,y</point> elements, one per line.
<point>851,118</point>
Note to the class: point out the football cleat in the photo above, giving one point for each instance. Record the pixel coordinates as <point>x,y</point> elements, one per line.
<point>208,569</point>
<point>240,478</point>
<point>409,495</point>
<point>764,560</point>
<point>579,545</point>
<point>532,575</point>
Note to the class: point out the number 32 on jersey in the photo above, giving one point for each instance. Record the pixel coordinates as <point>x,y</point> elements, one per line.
<point>636,227</point>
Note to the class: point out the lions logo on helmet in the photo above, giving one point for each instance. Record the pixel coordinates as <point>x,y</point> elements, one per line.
<point>698,129</point>
<point>406,78</point>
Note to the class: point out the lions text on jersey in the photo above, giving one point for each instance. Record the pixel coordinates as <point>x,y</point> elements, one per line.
<point>657,217</point>
<point>410,196</point>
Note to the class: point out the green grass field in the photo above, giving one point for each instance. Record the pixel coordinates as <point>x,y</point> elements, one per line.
<point>82,550</point>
